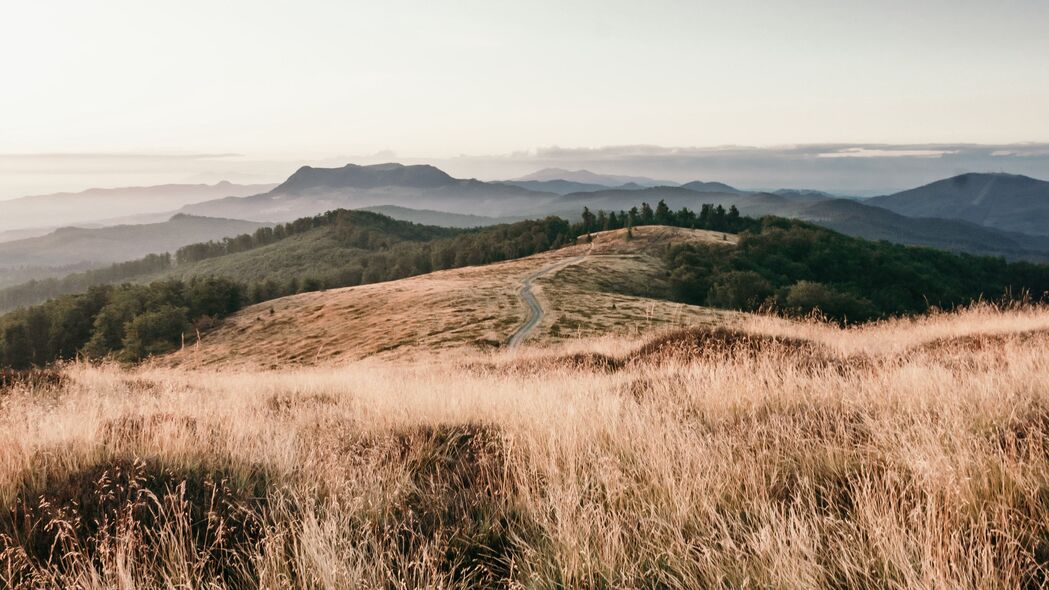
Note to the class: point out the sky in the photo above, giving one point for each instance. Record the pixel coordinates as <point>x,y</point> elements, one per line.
<point>245,83</point>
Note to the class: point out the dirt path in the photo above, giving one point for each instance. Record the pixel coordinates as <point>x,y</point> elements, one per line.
<point>535,311</point>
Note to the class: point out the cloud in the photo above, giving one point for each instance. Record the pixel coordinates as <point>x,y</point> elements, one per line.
<point>859,152</point>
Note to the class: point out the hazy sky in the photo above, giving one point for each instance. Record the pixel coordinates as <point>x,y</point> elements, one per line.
<point>306,80</point>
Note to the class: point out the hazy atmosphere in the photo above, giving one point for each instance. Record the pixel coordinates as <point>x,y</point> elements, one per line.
<point>456,295</point>
<point>117,93</point>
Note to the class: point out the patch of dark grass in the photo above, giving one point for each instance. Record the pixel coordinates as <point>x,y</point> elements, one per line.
<point>35,379</point>
<point>721,342</point>
<point>461,503</point>
<point>287,404</point>
<point>131,428</point>
<point>87,515</point>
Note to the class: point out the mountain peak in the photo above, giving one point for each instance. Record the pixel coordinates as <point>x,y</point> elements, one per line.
<point>363,177</point>
<point>700,186</point>
<point>1010,202</point>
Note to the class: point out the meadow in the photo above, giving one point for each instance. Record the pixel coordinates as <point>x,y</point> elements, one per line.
<point>906,453</point>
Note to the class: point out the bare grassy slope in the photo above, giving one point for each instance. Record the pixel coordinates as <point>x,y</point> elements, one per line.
<point>469,307</point>
<point>914,456</point>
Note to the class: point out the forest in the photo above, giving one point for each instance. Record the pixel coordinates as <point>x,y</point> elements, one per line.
<point>798,268</point>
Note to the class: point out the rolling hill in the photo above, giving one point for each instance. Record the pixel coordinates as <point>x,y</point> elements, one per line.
<point>280,257</point>
<point>1007,202</point>
<point>464,308</point>
<point>710,187</point>
<point>72,245</point>
<point>99,204</point>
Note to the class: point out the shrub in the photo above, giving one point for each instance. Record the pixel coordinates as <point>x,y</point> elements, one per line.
<point>745,290</point>
<point>806,297</point>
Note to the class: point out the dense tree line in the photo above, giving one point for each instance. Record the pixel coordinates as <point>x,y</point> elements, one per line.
<point>133,321</point>
<point>710,217</point>
<point>39,290</point>
<point>129,321</point>
<point>798,268</point>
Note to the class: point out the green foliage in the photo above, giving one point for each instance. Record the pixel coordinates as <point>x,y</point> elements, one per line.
<point>739,289</point>
<point>345,233</point>
<point>156,331</point>
<point>809,268</point>
<point>806,297</point>
<point>127,321</point>
<point>710,217</point>
<point>41,290</point>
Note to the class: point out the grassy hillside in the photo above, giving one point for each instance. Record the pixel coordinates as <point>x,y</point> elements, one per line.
<point>909,454</point>
<point>316,252</point>
<point>615,289</point>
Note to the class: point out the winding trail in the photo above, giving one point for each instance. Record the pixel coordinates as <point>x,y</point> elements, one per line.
<point>535,310</point>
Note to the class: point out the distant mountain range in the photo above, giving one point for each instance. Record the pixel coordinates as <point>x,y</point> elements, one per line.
<point>588,177</point>
<point>564,187</point>
<point>1004,201</point>
<point>73,245</point>
<point>438,218</point>
<point>313,190</point>
<point>99,204</point>
<point>993,214</point>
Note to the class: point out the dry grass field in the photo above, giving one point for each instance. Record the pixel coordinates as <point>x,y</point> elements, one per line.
<point>468,308</point>
<point>771,454</point>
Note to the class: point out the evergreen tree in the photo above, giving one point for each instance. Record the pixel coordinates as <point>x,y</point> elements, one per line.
<point>602,220</point>
<point>647,215</point>
<point>633,217</point>
<point>17,353</point>
<point>732,219</point>
<point>588,220</point>
<point>706,214</point>
<point>717,221</point>
<point>662,215</point>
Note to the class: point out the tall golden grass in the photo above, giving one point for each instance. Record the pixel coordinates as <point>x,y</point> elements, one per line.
<point>907,454</point>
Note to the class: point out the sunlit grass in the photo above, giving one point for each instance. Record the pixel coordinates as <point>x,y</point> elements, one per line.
<point>911,454</point>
